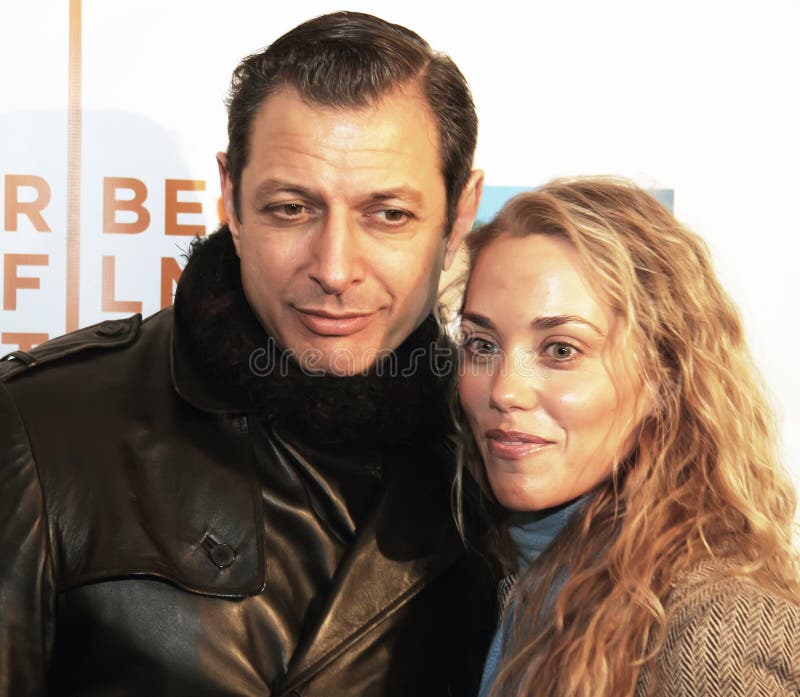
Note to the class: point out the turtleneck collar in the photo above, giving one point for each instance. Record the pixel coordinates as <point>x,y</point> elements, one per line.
<point>532,532</point>
<point>401,400</point>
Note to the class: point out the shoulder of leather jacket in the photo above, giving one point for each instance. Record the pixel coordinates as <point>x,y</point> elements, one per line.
<point>137,485</point>
<point>108,334</point>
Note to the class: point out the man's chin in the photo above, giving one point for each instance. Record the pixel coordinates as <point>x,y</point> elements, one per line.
<point>341,362</point>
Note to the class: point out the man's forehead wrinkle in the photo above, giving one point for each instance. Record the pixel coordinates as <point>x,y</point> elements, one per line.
<point>344,137</point>
<point>315,148</point>
<point>304,149</point>
<point>290,155</point>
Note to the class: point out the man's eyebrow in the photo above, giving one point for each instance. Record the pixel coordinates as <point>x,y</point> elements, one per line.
<point>399,193</point>
<point>552,321</point>
<point>272,186</point>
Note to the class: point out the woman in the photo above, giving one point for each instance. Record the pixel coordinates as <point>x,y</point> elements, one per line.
<point>615,416</point>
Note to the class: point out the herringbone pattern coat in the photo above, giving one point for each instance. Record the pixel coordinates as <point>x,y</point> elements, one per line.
<point>726,637</point>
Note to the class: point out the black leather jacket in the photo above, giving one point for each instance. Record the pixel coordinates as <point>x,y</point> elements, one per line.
<point>134,555</point>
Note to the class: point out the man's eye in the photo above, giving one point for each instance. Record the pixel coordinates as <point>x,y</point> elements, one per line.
<point>391,217</point>
<point>394,216</point>
<point>287,211</point>
<point>560,351</point>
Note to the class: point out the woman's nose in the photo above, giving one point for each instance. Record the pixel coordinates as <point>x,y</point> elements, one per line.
<point>515,382</point>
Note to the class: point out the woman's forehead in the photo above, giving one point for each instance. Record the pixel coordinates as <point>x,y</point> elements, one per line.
<point>530,277</point>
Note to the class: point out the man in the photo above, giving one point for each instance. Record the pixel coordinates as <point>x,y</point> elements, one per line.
<point>248,494</point>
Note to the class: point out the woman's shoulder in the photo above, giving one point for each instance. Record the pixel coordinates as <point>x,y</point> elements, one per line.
<point>727,634</point>
<point>714,585</point>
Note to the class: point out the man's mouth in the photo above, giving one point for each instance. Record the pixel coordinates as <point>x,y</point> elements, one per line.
<point>325,323</point>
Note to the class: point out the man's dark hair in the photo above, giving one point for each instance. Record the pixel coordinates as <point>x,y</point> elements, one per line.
<point>350,59</point>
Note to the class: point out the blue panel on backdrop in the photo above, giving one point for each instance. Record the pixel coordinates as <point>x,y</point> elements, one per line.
<point>495,196</point>
<point>666,197</point>
<point>493,199</point>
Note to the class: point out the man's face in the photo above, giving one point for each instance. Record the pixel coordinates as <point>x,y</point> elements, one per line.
<point>341,231</point>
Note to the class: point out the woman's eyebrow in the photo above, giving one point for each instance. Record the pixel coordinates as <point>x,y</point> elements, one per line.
<point>480,320</point>
<point>551,321</point>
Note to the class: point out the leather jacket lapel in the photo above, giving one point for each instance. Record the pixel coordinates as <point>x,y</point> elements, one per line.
<point>406,544</point>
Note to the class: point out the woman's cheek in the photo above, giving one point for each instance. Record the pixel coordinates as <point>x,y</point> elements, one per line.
<point>471,388</point>
<point>579,399</point>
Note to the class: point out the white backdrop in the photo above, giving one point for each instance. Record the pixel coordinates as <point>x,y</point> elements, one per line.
<point>694,96</point>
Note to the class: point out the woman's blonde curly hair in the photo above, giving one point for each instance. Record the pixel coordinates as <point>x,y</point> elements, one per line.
<point>705,480</point>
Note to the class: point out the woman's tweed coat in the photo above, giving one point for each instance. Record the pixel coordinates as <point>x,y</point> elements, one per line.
<point>726,637</point>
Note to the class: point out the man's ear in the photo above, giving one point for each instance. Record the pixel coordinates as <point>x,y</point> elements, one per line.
<point>226,187</point>
<point>466,210</point>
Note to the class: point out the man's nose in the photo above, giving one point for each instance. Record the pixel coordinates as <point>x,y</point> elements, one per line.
<point>336,258</point>
<point>515,382</point>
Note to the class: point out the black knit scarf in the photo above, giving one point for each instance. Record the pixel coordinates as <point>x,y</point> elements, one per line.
<point>400,402</point>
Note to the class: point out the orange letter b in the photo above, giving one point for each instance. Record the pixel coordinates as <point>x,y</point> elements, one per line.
<point>111,204</point>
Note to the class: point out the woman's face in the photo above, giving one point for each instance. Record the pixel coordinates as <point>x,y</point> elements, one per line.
<point>546,414</point>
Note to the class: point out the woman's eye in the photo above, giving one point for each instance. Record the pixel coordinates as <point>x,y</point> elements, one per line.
<point>481,347</point>
<point>560,351</point>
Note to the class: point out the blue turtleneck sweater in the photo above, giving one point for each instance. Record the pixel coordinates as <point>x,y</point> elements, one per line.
<point>531,534</point>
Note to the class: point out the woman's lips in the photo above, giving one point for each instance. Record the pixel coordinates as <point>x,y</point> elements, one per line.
<point>512,445</point>
<point>331,324</point>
